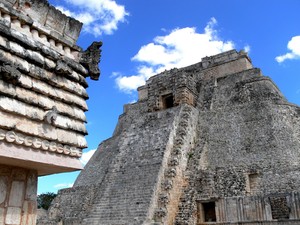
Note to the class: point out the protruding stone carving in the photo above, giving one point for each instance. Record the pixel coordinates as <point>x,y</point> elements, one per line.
<point>90,59</point>
<point>51,115</point>
<point>10,73</point>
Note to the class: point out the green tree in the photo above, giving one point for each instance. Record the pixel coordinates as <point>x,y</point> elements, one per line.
<point>44,200</point>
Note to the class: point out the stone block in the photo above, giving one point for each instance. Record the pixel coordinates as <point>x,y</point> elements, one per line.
<point>3,41</point>
<point>66,137</point>
<point>56,20</point>
<point>18,174</point>
<point>3,189</point>
<point>31,186</point>
<point>13,216</point>
<point>26,81</point>
<point>72,29</point>
<point>37,11</point>
<point>16,196</point>
<point>2,216</point>
<point>6,88</point>
<point>29,213</point>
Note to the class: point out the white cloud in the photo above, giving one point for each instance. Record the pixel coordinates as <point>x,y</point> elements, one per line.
<point>294,47</point>
<point>247,48</point>
<point>86,156</point>
<point>181,47</point>
<point>98,16</point>
<point>64,185</point>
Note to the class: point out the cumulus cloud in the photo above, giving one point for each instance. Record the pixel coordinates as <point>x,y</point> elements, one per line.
<point>181,47</point>
<point>294,47</point>
<point>64,185</point>
<point>86,156</point>
<point>98,16</point>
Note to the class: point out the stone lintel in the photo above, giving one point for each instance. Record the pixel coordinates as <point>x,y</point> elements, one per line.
<point>44,162</point>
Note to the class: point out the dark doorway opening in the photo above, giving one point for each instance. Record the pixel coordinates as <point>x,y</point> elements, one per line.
<point>209,209</point>
<point>168,101</point>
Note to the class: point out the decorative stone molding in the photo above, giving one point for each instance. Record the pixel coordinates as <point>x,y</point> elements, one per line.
<point>38,143</point>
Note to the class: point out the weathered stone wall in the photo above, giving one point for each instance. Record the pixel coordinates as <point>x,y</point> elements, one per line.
<point>42,85</point>
<point>42,101</point>
<point>248,146</point>
<point>18,189</point>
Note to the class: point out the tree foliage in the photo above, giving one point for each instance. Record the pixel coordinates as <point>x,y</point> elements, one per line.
<point>44,200</point>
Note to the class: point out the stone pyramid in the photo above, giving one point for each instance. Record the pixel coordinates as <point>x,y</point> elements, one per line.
<point>211,143</point>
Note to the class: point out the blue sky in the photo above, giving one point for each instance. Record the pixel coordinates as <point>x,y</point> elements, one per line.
<point>141,38</point>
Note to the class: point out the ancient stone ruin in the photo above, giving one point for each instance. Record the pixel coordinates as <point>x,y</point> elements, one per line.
<point>211,143</point>
<point>42,101</point>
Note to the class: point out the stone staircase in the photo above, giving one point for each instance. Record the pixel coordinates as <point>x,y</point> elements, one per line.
<point>173,179</point>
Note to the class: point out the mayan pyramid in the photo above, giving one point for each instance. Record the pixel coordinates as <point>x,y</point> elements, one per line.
<point>212,143</point>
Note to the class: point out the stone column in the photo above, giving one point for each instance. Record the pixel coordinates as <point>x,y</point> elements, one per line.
<point>18,191</point>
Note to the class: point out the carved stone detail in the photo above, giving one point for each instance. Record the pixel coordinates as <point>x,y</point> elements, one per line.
<point>161,212</point>
<point>63,68</point>
<point>10,73</point>
<point>51,115</point>
<point>38,143</point>
<point>90,59</point>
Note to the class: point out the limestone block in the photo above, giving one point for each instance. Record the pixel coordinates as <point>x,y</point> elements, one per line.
<point>19,62</point>
<point>72,29</point>
<point>16,195</point>
<point>79,113</point>
<point>18,173</point>
<point>2,216</point>
<point>82,143</point>
<point>37,11</point>
<point>3,189</point>
<point>75,75</point>
<point>14,106</point>
<point>3,41</point>
<point>67,123</point>
<point>30,127</point>
<point>66,137</point>
<point>10,105</point>
<point>44,102</point>
<point>26,81</point>
<point>27,96</point>
<point>29,213</point>
<point>42,87</point>
<point>7,88</point>
<point>2,211</point>
<point>13,216</point>
<point>31,186</point>
<point>37,57</point>
<point>49,63</point>
<point>17,48</point>
<point>56,20</point>
<point>7,121</point>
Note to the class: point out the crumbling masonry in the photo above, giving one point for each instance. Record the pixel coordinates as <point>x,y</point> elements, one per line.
<point>211,143</point>
<point>42,101</point>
